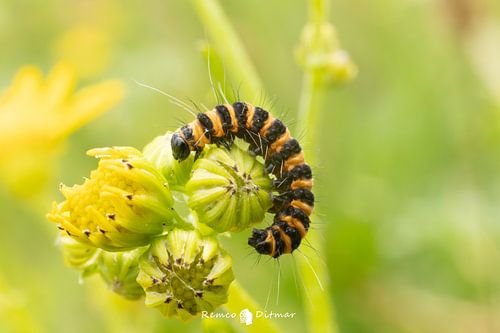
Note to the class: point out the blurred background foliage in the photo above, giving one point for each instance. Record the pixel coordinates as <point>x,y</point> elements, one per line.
<point>407,185</point>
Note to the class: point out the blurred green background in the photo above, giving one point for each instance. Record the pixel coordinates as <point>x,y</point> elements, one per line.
<point>408,186</point>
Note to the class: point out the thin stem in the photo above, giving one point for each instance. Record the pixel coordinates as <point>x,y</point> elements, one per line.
<point>229,47</point>
<point>310,105</point>
<point>239,299</point>
<point>319,10</point>
<point>319,308</point>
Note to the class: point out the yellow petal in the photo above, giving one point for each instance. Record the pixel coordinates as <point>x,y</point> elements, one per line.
<point>90,103</point>
<point>26,84</point>
<point>60,84</point>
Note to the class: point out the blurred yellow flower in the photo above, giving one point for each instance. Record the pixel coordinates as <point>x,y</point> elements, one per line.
<point>37,114</point>
<point>87,47</point>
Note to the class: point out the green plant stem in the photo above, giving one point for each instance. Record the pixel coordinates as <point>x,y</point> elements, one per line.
<point>319,307</point>
<point>229,47</point>
<point>310,104</point>
<point>239,299</point>
<point>319,10</point>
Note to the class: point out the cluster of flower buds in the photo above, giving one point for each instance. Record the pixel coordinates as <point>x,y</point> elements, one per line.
<point>121,223</point>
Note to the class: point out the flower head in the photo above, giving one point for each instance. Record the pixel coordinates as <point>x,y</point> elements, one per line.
<point>185,273</point>
<point>37,114</point>
<point>228,190</point>
<point>123,204</point>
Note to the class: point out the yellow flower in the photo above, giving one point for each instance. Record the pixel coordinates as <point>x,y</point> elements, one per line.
<point>123,205</point>
<point>87,46</point>
<point>37,114</point>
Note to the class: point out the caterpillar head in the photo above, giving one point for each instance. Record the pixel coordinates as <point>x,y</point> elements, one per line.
<point>180,148</point>
<point>259,241</point>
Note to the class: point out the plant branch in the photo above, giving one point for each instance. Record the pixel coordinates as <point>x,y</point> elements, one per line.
<point>229,47</point>
<point>320,310</point>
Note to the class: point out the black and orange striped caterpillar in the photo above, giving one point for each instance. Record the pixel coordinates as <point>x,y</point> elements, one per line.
<point>284,158</point>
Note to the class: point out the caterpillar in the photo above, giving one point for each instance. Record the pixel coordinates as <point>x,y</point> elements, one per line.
<point>283,156</point>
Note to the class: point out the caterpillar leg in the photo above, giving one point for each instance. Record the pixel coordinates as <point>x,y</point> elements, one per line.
<point>281,201</point>
<point>198,151</point>
<point>227,141</point>
<point>300,198</point>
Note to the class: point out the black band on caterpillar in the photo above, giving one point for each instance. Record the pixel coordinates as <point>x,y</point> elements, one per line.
<point>270,138</point>
<point>240,109</point>
<point>300,172</point>
<point>286,198</point>
<point>225,117</point>
<point>207,124</point>
<point>277,128</point>
<point>260,116</point>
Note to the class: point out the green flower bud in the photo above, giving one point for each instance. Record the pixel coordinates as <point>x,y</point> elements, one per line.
<point>228,190</point>
<point>185,273</point>
<point>119,270</point>
<point>124,204</point>
<point>339,67</point>
<point>320,51</point>
<point>78,255</point>
<point>159,153</point>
